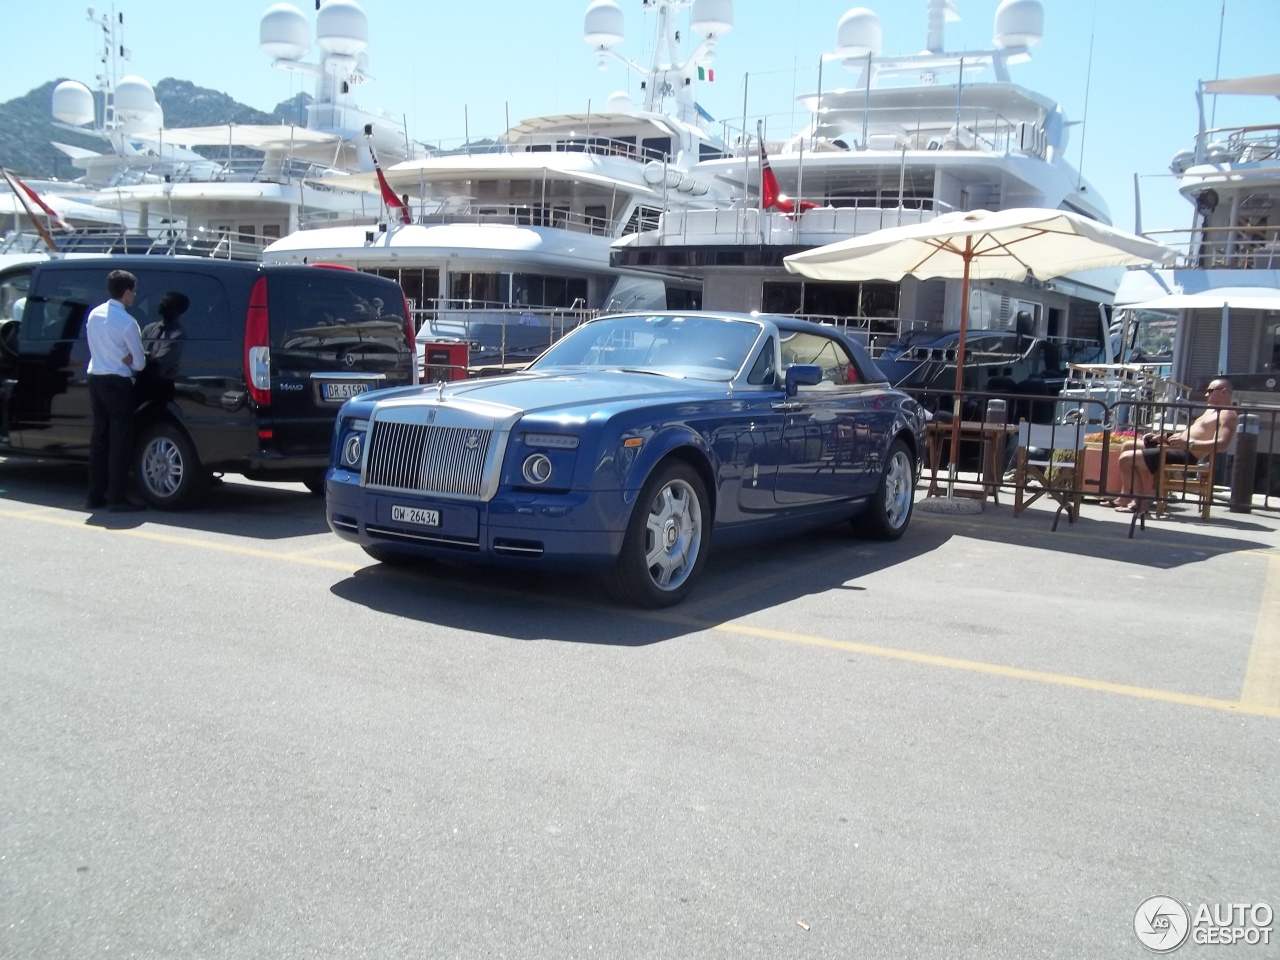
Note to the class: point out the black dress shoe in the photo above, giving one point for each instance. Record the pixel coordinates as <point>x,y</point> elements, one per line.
<point>95,503</point>
<point>126,507</point>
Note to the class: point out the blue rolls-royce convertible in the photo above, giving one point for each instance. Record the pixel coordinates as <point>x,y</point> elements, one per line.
<point>630,446</point>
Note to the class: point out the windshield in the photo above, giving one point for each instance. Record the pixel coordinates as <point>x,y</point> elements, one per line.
<point>704,348</point>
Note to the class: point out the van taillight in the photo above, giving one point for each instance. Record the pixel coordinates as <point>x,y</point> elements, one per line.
<point>257,346</point>
<point>411,335</point>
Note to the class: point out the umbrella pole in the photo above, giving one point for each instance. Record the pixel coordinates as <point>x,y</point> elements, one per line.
<point>957,404</point>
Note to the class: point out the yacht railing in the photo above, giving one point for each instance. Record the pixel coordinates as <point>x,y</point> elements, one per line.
<point>598,146</point>
<point>976,129</point>
<point>1252,144</point>
<point>237,170</point>
<point>173,241</point>
<point>1230,248</point>
<point>526,215</point>
<point>815,227</point>
<point>500,335</point>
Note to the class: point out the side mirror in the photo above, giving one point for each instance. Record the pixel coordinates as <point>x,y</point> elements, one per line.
<point>802,375</point>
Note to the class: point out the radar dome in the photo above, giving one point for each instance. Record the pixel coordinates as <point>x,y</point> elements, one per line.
<point>73,103</point>
<point>134,98</point>
<point>602,26</point>
<point>342,28</point>
<point>711,18</point>
<point>1182,160</point>
<point>1019,23</point>
<point>858,34</point>
<point>284,33</point>
<point>620,102</point>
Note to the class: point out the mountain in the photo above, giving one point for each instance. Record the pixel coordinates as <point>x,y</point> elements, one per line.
<point>27,126</point>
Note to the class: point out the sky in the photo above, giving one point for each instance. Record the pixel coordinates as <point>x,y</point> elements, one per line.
<point>1127,68</point>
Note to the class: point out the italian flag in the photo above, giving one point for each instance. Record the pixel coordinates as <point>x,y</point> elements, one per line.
<point>704,73</point>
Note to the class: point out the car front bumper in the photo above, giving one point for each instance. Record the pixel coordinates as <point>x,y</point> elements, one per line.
<point>573,529</point>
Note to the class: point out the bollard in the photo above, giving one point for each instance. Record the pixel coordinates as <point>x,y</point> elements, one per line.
<point>1242,470</point>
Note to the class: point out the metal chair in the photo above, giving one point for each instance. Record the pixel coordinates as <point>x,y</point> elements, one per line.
<point>1037,474</point>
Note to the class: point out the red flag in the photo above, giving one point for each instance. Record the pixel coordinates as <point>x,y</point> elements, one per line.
<point>771,195</point>
<point>49,212</point>
<point>389,197</point>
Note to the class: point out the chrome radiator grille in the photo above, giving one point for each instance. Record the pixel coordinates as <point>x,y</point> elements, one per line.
<point>427,458</point>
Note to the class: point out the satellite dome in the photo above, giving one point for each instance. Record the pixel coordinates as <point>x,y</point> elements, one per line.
<point>602,25</point>
<point>134,98</point>
<point>1019,23</point>
<point>1218,152</point>
<point>1182,160</point>
<point>342,28</point>
<point>620,102</point>
<point>73,103</point>
<point>858,34</point>
<point>711,18</point>
<point>284,33</point>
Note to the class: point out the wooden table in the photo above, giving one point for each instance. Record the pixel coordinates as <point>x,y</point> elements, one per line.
<point>994,438</point>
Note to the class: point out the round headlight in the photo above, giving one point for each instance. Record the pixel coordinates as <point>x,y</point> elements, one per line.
<point>351,450</point>
<point>537,468</point>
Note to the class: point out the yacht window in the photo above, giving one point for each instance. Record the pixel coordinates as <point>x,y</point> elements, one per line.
<point>656,148</point>
<point>597,217</point>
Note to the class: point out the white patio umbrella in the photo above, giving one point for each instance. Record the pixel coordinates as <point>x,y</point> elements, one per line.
<point>1001,244</point>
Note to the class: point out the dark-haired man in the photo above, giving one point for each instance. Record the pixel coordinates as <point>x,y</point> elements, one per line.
<point>115,355</point>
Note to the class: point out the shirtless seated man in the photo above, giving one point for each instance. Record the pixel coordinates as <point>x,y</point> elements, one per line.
<point>1210,433</point>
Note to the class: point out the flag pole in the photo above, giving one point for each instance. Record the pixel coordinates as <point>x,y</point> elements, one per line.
<point>35,222</point>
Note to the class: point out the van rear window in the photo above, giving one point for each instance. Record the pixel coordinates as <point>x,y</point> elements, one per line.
<point>321,306</point>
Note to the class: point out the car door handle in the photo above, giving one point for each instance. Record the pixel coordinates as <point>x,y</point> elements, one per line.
<point>787,406</point>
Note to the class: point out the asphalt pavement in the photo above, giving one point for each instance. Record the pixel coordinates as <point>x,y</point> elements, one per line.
<point>227,734</point>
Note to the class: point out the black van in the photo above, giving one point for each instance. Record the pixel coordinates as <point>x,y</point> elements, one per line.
<point>268,354</point>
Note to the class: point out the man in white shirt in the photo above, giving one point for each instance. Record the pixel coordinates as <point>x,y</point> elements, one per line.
<point>115,354</point>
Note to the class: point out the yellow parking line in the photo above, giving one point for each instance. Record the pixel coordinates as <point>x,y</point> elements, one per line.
<point>1262,675</point>
<point>1258,699</point>
<point>1000,670</point>
<point>143,534</point>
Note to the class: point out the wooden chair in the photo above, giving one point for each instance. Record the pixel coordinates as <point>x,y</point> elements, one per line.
<point>1039,475</point>
<point>1187,480</point>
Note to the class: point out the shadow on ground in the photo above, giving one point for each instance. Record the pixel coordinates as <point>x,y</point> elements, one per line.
<point>235,507</point>
<point>574,608</point>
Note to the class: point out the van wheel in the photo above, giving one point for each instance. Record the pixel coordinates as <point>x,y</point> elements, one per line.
<point>170,476</point>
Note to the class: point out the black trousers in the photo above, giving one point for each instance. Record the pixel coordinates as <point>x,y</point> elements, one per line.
<point>111,400</point>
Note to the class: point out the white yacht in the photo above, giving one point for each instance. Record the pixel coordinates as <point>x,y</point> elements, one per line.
<point>1219,307</point>
<point>254,183</point>
<point>524,228</point>
<point>915,136</point>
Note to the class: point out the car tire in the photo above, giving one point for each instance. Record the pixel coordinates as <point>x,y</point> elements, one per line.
<point>666,542</point>
<point>889,512</point>
<point>315,484</point>
<point>170,475</point>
